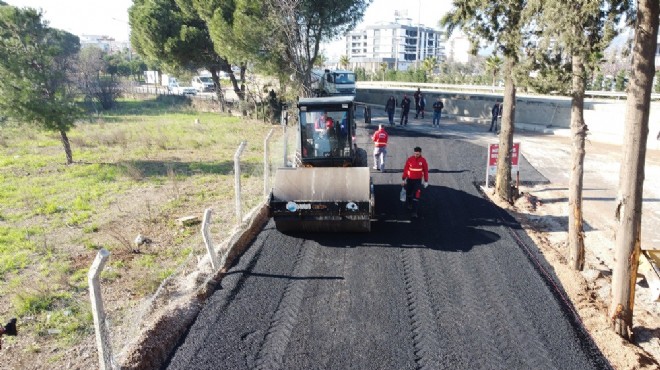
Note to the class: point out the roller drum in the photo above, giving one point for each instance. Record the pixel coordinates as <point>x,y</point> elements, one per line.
<point>330,199</point>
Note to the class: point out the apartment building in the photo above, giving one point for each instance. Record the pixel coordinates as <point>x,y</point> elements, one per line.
<point>657,55</point>
<point>105,43</point>
<point>400,44</point>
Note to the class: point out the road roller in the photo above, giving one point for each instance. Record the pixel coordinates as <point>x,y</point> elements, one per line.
<point>328,187</point>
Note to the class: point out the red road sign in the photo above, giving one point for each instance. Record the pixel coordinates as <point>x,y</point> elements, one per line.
<point>493,151</point>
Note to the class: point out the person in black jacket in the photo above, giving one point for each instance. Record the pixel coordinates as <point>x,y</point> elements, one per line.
<point>421,105</point>
<point>405,109</point>
<point>437,111</point>
<point>390,106</point>
<point>496,112</point>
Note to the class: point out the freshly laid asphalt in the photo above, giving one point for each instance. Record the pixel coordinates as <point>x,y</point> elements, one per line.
<point>463,287</point>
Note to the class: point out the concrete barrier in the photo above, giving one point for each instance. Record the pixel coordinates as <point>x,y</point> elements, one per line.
<point>549,114</point>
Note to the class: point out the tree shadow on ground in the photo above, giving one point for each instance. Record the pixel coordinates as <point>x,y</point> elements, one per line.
<point>158,106</point>
<point>146,168</point>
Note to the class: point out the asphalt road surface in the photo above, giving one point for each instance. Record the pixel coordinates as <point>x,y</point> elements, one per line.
<point>462,287</point>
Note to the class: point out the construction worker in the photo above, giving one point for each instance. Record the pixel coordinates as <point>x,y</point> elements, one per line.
<point>380,148</point>
<point>415,176</point>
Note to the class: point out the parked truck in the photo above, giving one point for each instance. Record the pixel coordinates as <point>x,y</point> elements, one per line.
<point>331,83</point>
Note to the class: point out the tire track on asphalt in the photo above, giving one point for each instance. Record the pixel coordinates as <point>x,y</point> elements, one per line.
<point>443,277</point>
<point>463,275</point>
<point>286,316</point>
<point>495,307</point>
<point>575,336</point>
<point>425,336</point>
<point>509,306</point>
<point>511,299</point>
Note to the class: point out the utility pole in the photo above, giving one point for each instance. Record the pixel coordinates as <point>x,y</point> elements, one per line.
<point>128,35</point>
<point>419,17</point>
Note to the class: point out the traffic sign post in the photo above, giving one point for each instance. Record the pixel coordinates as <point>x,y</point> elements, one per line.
<point>491,161</point>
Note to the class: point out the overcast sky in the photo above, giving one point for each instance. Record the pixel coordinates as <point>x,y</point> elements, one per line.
<point>90,17</point>
<point>110,17</point>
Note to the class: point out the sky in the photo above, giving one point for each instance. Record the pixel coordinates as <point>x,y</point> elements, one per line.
<point>110,17</point>
<point>89,17</point>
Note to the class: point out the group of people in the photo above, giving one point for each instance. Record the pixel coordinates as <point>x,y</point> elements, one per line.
<point>420,106</point>
<point>438,106</point>
<point>415,171</point>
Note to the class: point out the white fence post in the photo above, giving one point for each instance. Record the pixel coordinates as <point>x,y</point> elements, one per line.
<point>267,163</point>
<point>215,265</point>
<point>284,121</point>
<point>237,180</point>
<point>102,335</point>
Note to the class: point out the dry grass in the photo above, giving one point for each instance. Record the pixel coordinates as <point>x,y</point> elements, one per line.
<point>137,171</point>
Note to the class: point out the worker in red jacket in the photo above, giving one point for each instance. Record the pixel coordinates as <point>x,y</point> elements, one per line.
<point>380,148</point>
<point>415,176</point>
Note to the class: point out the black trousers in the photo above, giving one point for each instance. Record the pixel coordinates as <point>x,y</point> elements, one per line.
<point>493,124</point>
<point>413,193</point>
<point>404,117</point>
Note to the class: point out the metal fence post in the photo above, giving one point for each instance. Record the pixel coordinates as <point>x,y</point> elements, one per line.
<point>284,122</point>
<point>237,180</point>
<point>267,163</point>
<point>102,335</point>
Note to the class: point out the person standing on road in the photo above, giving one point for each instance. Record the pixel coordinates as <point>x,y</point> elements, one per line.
<point>380,148</point>
<point>437,111</point>
<point>422,105</point>
<point>390,106</point>
<point>405,108</point>
<point>343,131</point>
<point>416,96</point>
<point>496,112</point>
<point>415,176</point>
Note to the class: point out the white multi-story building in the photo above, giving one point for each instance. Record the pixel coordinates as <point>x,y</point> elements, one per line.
<point>105,43</point>
<point>657,55</point>
<point>458,48</point>
<point>395,43</point>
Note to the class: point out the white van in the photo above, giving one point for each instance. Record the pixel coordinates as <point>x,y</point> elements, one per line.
<point>203,83</point>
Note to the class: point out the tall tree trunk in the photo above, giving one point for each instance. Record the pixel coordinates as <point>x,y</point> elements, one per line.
<point>67,147</point>
<point>218,91</point>
<point>503,179</point>
<point>579,133</point>
<point>631,175</point>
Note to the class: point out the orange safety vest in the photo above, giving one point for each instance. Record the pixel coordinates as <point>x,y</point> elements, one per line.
<point>380,138</point>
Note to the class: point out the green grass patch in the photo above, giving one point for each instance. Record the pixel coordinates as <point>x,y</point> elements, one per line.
<point>32,302</point>
<point>16,248</point>
<point>137,168</point>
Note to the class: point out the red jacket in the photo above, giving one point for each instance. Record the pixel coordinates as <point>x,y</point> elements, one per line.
<point>380,138</point>
<point>416,168</point>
